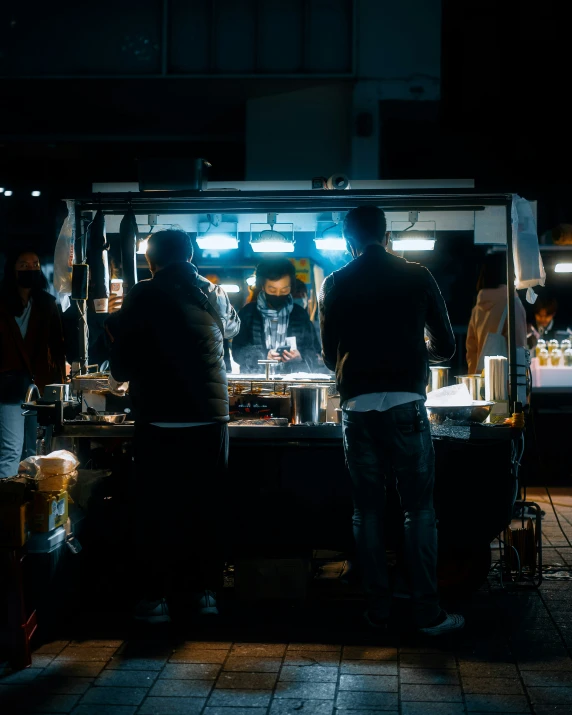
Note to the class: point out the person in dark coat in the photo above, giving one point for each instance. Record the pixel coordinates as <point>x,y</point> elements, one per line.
<point>272,321</point>
<point>31,350</point>
<point>167,342</point>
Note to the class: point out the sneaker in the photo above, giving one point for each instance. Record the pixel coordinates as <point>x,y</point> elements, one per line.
<point>203,603</point>
<point>445,623</point>
<point>152,611</point>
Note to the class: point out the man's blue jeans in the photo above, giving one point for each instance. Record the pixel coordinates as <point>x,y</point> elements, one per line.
<point>389,445</point>
<point>17,438</point>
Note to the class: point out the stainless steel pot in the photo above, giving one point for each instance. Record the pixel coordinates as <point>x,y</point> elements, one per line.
<point>111,418</point>
<point>439,377</point>
<point>308,403</point>
<point>475,385</point>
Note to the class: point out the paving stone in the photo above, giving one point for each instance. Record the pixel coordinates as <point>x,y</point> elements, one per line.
<point>296,707</point>
<point>426,676</point>
<point>127,678</point>
<point>206,645</point>
<point>259,650</point>
<point>38,701</point>
<point>193,671</point>
<point>122,662</point>
<point>439,661</point>
<point>181,688</point>
<point>252,665</point>
<point>315,647</point>
<point>74,670</point>
<point>368,667</point>
<point>51,648</point>
<point>546,664</point>
<point>75,654</point>
<point>497,703</point>
<point>547,678</point>
<point>495,686</point>
<point>312,673</point>
<point>240,698</point>
<point>368,653</point>
<point>430,693</point>
<point>352,700</point>
<point>21,676</point>
<point>375,683</point>
<point>487,670</point>
<point>306,691</point>
<point>246,681</point>
<point>234,711</point>
<point>411,708</point>
<point>199,656</point>
<point>171,706</point>
<point>64,685</point>
<point>42,661</point>
<point>324,658</point>
<point>114,696</point>
<point>551,696</point>
<point>115,644</point>
<point>105,710</point>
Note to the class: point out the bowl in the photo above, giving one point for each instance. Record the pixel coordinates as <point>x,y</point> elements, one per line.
<point>114,418</point>
<point>478,411</point>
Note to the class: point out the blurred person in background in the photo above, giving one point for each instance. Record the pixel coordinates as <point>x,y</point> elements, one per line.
<point>545,325</point>
<point>272,319</point>
<point>490,310</point>
<point>31,350</point>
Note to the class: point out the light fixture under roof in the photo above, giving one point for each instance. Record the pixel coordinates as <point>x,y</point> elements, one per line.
<point>218,242</point>
<point>36,193</point>
<point>8,192</point>
<point>230,287</point>
<point>413,236</point>
<point>563,268</point>
<point>269,240</point>
<point>329,234</point>
<point>331,244</point>
<point>1,189</point>
<point>217,234</point>
<point>413,244</point>
<point>251,281</point>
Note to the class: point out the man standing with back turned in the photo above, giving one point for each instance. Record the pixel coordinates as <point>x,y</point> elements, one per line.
<point>381,380</point>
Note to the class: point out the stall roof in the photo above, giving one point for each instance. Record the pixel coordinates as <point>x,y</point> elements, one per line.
<point>235,201</point>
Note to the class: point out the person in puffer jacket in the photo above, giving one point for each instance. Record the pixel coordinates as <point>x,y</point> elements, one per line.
<point>488,311</point>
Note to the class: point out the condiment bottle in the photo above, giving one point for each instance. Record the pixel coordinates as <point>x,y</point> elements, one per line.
<point>568,357</point>
<point>565,345</point>
<point>553,345</point>
<point>543,357</point>
<point>540,345</point>
<point>556,357</point>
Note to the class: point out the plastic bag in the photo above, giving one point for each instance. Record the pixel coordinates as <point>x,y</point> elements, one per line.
<point>64,258</point>
<point>59,463</point>
<point>452,396</point>
<point>528,266</point>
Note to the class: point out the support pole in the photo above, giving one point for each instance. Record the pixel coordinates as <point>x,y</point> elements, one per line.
<point>511,313</point>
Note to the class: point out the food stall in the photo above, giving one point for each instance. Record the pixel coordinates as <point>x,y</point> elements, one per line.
<point>287,473</point>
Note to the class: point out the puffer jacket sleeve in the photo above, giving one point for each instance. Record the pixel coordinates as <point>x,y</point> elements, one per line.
<point>328,323</point>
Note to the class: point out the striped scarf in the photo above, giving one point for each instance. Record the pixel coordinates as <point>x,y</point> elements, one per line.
<point>275,321</point>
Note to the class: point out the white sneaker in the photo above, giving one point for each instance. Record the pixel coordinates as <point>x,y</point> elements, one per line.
<point>152,611</point>
<point>452,622</point>
<point>203,603</point>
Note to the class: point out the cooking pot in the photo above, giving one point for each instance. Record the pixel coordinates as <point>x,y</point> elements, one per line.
<point>308,403</point>
<point>438,378</point>
<point>475,385</point>
<point>112,418</point>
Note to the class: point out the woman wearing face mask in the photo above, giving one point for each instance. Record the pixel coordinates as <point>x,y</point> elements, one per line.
<point>31,349</point>
<point>272,320</point>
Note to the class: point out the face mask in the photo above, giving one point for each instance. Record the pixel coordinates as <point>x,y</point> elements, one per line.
<point>30,279</point>
<point>302,302</point>
<point>276,302</point>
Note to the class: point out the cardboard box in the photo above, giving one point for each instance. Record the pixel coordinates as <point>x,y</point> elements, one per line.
<point>263,578</point>
<point>50,510</point>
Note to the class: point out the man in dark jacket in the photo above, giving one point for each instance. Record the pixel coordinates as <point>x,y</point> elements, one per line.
<point>381,378</point>
<point>274,321</point>
<point>167,342</point>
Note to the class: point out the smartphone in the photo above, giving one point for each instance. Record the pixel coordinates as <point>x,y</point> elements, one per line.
<point>280,350</point>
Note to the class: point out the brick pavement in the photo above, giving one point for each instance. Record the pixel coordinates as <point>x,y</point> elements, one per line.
<point>513,657</point>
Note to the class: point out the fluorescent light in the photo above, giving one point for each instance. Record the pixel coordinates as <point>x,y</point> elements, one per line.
<point>230,287</point>
<point>272,246</point>
<point>36,193</point>
<point>563,268</point>
<point>8,193</point>
<point>142,248</point>
<point>1,189</point>
<point>217,242</point>
<point>251,280</point>
<point>330,244</point>
<point>413,244</point>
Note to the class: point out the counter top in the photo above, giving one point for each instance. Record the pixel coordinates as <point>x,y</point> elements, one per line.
<point>330,432</point>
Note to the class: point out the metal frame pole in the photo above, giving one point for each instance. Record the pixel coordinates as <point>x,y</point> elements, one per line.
<point>511,313</point>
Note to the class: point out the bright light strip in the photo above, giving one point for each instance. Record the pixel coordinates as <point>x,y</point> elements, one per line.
<point>413,244</point>
<point>230,287</point>
<point>1,189</point>
<point>142,249</point>
<point>330,244</point>
<point>563,268</point>
<point>272,246</point>
<point>217,242</point>
<point>36,193</point>
<point>8,193</point>
<point>251,280</point>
